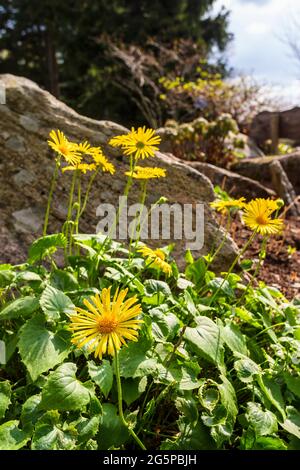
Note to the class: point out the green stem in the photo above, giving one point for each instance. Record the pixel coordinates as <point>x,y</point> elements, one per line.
<point>86,197</point>
<point>78,206</point>
<point>119,388</point>
<point>70,209</point>
<point>52,187</point>
<point>138,226</point>
<point>70,206</point>
<point>213,256</point>
<point>233,266</point>
<point>262,254</point>
<point>121,207</point>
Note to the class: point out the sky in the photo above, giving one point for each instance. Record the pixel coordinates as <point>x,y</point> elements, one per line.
<point>258,48</point>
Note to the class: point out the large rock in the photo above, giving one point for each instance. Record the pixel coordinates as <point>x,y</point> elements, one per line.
<point>236,185</point>
<point>288,125</point>
<point>260,169</point>
<point>27,163</point>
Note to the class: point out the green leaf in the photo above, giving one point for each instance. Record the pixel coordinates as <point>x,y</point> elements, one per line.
<point>132,357</point>
<point>102,375</point>
<point>269,443</point>
<point>292,422</point>
<point>190,437</point>
<point>45,246</point>
<point>221,285</point>
<point>164,326</point>
<point>28,276</point>
<point>187,379</point>
<point>41,349</point>
<point>5,394</point>
<point>11,437</point>
<point>7,276</point>
<point>247,370</point>
<point>152,286</point>
<point>54,303</point>
<point>190,304</point>
<point>24,306</point>
<point>209,394</point>
<point>63,280</point>
<point>87,428</point>
<point>132,389</point>
<point>206,340</point>
<point>31,412</point>
<point>189,257</point>
<point>262,422</point>
<point>293,383</point>
<point>112,431</point>
<point>246,264</point>
<point>63,391</point>
<point>195,272</point>
<point>50,434</point>
<point>234,339</point>
<point>272,391</point>
<point>188,408</point>
<point>228,398</point>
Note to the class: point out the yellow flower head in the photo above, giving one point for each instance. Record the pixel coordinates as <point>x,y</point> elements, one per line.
<point>61,145</point>
<point>157,258</point>
<point>83,167</point>
<point>101,160</point>
<point>107,323</point>
<point>223,206</point>
<point>84,147</point>
<point>141,142</point>
<point>146,173</point>
<point>257,216</point>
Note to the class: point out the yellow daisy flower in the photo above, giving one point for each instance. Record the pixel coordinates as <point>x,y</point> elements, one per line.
<point>223,206</point>
<point>84,146</point>
<point>106,324</point>
<point>61,145</point>
<point>141,172</point>
<point>83,167</point>
<point>141,142</point>
<point>101,160</point>
<point>257,216</point>
<point>157,257</point>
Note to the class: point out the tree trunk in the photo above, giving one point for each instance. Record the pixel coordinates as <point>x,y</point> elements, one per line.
<point>52,67</point>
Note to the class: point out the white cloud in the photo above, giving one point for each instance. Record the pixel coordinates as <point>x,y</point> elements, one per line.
<point>256,2</point>
<point>257,49</point>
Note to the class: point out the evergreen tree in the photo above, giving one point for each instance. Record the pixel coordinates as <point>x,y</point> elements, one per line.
<point>60,45</point>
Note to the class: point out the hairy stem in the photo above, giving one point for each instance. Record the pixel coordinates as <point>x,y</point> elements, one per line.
<point>52,187</point>
<point>121,414</point>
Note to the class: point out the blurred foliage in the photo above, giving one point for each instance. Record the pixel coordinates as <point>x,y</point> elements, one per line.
<point>68,47</point>
<point>209,95</point>
<point>217,142</point>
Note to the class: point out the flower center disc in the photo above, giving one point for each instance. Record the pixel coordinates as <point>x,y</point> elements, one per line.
<point>261,220</point>
<point>63,149</point>
<point>107,326</point>
<point>140,145</point>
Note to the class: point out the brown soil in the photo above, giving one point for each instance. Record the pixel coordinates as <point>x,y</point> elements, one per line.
<point>280,269</point>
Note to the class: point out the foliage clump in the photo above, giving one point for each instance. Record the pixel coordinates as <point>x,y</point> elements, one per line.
<point>216,361</point>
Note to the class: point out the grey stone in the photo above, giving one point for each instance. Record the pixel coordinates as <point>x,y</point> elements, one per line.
<point>236,185</point>
<point>28,220</point>
<point>259,169</point>
<point>15,143</point>
<point>23,177</point>
<point>29,123</point>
